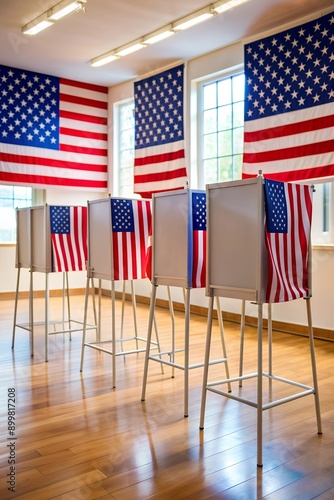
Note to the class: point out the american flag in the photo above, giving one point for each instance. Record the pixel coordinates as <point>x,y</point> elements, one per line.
<point>69,238</point>
<point>53,131</point>
<point>288,225</point>
<point>131,222</point>
<point>159,135</point>
<point>199,239</point>
<point>289,103</point>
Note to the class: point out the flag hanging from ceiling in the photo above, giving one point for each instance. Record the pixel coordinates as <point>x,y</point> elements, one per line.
<point>53,131</point>
<point>289,103</point>
<point>288,226</point>
<point>159,133</point>
<point>69,238</point>
<point>131,223</point>
<point>199,239</point>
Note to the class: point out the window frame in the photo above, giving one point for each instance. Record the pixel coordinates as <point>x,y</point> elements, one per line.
<point>118,188</point>
<point>37,197</point>
<point>232,72</point>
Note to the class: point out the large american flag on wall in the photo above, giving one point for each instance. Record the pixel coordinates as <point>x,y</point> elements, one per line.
<point>288,227</point>
<point>289,103</point>
<point>69,227</point>
<point>53,131</point>
<point>159,133</point>
<point>131,224</point>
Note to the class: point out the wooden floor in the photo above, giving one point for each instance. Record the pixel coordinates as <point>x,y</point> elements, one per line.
<point>76,437</point>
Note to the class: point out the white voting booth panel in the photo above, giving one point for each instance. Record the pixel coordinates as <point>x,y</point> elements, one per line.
<point>41,252</point>
<point>237,267</point>
<point>171,238</point>
<point>178,238</point>
<point>101,266</point>
<point>172,265</point>
<point>33,243</point>
<point>236,254</point>
<point>99,240</point>
<point>34,252</point>
<point>23,240</point>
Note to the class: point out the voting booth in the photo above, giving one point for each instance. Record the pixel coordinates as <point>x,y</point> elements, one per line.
<point>50,239</point>
<point>243,263</point>
<point>118,235</point>
<point>179,260</point>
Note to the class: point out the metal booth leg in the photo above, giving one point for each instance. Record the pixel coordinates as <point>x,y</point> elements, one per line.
<point>206,362</point>
<point>47,316</point>
<point>259,385</point>
<point>171,311</point>
<point>149,335</point>
<point>113,333</point>
<point>15,306</point>
<point>186,353</point>
<point>84,329</point>
<point>242,339</point>
<point>222,336</point>
<point>31,313</point>
<point>314,366</point>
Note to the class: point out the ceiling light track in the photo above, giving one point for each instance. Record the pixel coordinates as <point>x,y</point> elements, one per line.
<point>167,31</point>
<point>49,17</point>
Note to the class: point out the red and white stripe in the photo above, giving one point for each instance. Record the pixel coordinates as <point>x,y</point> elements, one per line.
<point>163,169</point>
<point>199,259</point>
<point>130,248</point>
<point>70,250</point>
<point>288,276</point>
<point>292,146</point>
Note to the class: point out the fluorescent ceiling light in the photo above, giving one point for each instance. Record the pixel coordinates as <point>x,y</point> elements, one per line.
<point>33,28</point>
<point>193,19</point>
<point>59,11</point>
<point>107,58</point>
<point>168,30</point>
<point>56,12</point>
<point>159,35</point>
<point>220,7</point>
<point>128,49</point>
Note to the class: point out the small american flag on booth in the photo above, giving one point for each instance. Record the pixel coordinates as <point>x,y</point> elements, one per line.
<point>131,222</point>
<point>69,238</point>
<point>199,239</point>
<point>288,226</point>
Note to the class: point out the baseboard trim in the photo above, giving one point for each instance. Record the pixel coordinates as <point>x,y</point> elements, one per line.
<point>40,294</point>
<point>290,328</point>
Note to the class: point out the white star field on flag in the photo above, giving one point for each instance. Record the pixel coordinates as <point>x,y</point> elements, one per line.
<point>276,207</point>
<point>29,108</point>
<point>159,109</point>
<point>291,70</point>
<point>199,211</point>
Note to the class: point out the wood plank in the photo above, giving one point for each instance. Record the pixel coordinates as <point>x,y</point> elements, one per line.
<point>77,437</point>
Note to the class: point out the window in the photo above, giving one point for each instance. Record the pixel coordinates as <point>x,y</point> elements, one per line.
<point>12,197</point>
<point>125,149</point>
<point>222,129</point>
<point>323,214</point>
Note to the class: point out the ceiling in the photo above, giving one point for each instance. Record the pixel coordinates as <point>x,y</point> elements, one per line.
<point>66,48</point>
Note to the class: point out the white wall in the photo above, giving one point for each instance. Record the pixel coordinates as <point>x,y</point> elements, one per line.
<point>323,258</point>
